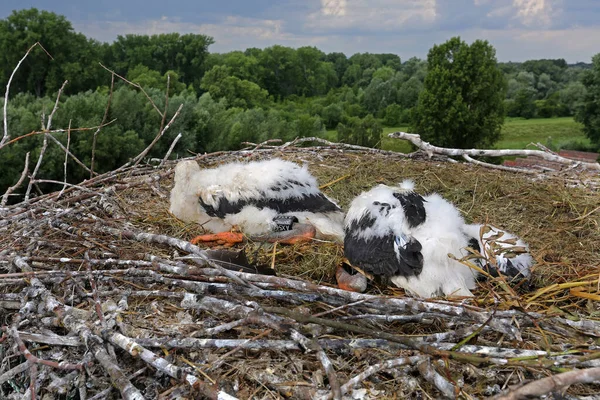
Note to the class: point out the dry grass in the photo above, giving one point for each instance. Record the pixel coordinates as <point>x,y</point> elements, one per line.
<point>560,223</point>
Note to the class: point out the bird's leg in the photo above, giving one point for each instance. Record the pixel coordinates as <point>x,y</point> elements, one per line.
<point>228,238</point>
<point>299,233</point>
<point>350,278</point>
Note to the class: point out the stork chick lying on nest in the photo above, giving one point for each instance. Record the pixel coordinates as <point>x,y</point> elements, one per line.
<point>396,233</point>
<point>272,200</point>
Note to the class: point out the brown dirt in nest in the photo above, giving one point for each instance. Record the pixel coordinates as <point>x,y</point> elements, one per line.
<point>560,223</point>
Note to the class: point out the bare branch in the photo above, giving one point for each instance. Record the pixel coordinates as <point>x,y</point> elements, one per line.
<point>6,135</point>
<point>432,376</point>
<point>37,166</point>
<point>552,383</point>
<point>112,86</point>
<point>134,85</point>
<point>19,182</point>
<point>500,167</point>
<point>68,152</point>
<point>430,150</point>
<point>373,369</point>
<point>143,154</point>
<point>43,132</point>
<point>45,128</point>
<point>66,159</point>
<point>170,149</point>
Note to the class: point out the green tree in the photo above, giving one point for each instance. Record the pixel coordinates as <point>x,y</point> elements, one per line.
<point>523,104</point>
<point>378,95</point>
<point>242,66</point>
<point>281,71</point>
<point>462,102</point>
<point>340,64</point>
<point>572,95</point>
<point>589,113</point>
<point>220,82</point>
<point>392,115</point>
<point>384,73</point>
<point>363,132</point>
<point>71,57</point>
<point>185,54</point>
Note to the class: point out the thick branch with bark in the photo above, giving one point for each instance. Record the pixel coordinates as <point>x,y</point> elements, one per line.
<point>431,150</point>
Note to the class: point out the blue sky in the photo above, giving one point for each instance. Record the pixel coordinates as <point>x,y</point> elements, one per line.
<point>518,29</point>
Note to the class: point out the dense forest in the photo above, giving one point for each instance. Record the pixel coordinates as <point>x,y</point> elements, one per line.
<point>251,95</point>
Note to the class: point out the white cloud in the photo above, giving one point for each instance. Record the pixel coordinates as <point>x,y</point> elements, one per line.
<point>372,15</point>
<point>535,12</point>
<point>231,33</point>
<point>333,7</point>
<point>521,44</point>
<point>518,29</point>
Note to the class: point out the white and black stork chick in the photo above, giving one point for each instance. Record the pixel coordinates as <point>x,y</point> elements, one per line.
<point>396,233</point>
<point>270,200</point>
<point>501,252</point>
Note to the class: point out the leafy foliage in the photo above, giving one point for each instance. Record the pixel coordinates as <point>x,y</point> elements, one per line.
<point>363,132</point>
<point>589,113</point>
<point>454,98</point>
<point>461,104</point>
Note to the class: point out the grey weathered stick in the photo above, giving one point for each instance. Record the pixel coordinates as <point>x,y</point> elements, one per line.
<point>500,167</point>
<point>133,348</point>
<point>37,167</point>
<point>6,135</point>
<point>170,149</point>
<point>95,137</point>
<point>45,128</point>
<point>430,150</point>
<point>432,376</point>
<point>552,383</point>
<point>180,244</point>
<point>143,154</point>
<point>11,373</point>
<point>373,369</point>
<point>66,159</point>
<point>134,85</point>
<point>19,182</point>
<point>69,153</point>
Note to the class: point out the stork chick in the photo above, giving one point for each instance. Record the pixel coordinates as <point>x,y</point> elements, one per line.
<point>396,233</point>
<point>270,200</point>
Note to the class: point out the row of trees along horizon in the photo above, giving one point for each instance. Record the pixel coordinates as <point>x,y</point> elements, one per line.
<point>458,97</point>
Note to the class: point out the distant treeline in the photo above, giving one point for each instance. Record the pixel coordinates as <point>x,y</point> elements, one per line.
<point>253,77</point>
<point>251,95</point>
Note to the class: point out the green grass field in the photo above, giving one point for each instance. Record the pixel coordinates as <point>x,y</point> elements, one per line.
<point>516,134</point>
<point>551,132</point>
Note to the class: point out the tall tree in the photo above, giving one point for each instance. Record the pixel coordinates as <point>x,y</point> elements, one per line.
<point>73,56</point>
<point>461,104</point>
<point>185,54</point>
<point>589,113</point>
<point>282,73</point>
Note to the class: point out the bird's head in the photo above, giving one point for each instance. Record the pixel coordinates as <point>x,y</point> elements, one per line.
<point>374,213</point>
<point>185,170</point>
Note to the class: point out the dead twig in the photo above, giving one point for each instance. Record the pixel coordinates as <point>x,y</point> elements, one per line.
<point>552,383</point>
<point>19,182</point>
<point>6,135</point>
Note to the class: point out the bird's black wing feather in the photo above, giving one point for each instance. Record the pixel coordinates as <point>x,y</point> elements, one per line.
<point>414,207</point>
<point>376,254</point>
<point>305,202</point>
<point>411,258</point>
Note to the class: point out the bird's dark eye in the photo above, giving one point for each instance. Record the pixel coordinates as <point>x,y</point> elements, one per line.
<point>384,208</point>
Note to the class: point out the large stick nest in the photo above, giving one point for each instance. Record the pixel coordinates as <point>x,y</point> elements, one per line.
<point>101,296</point>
